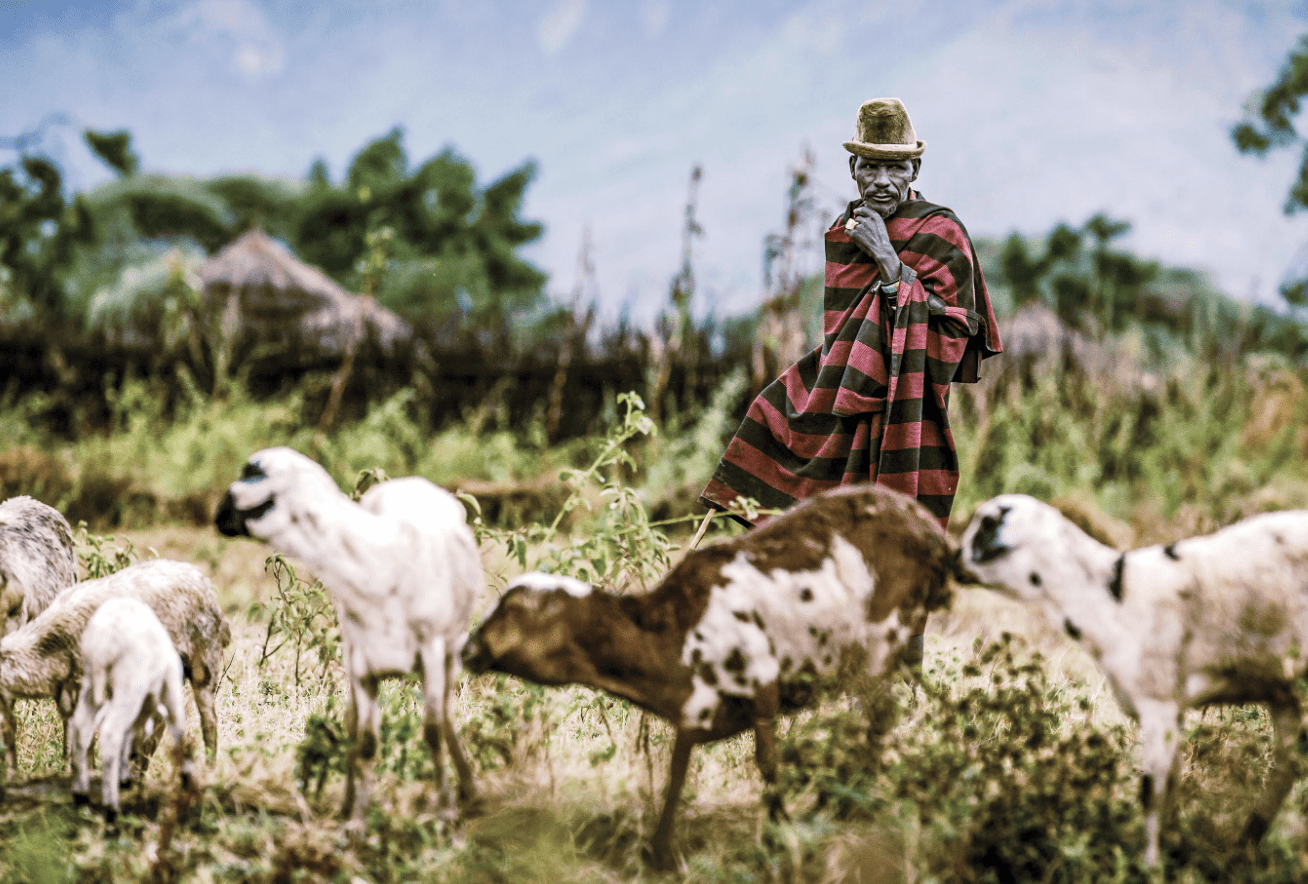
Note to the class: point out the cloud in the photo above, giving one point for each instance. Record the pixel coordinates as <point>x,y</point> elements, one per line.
<point>239,25</point>
<point>559,24</point>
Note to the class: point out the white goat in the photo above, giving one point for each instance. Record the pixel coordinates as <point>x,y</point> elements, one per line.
<point>1203,621</point>
<point>131,678</point>
<point>43,659</point>
<point>404,572</point>
<point>827,594</point>
<point>37,559</point>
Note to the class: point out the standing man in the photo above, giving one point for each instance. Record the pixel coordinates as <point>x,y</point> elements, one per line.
<point>906,313</point>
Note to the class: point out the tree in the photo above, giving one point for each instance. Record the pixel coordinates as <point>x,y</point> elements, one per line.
<point>1270,123</point>
<point>1101,284</point>
<point>115,149</point>
<point>454,247</point>
<point>39,225</point>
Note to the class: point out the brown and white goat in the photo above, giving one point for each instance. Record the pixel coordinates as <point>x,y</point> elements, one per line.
<point>1210,620</point>
<point>828,593</point>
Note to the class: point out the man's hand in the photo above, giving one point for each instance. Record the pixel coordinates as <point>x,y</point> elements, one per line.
<point>871,236</point>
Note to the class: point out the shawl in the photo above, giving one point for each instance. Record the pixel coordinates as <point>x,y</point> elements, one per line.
<point>870,404</point>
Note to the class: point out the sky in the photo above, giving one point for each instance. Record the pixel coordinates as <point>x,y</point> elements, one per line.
<point>1034,112</point>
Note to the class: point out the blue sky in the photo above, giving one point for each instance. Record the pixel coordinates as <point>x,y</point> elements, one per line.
<point>1034,111</point>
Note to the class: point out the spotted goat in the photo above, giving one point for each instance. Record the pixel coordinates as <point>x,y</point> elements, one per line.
<point>825,595</point>
<point>1218,619</point>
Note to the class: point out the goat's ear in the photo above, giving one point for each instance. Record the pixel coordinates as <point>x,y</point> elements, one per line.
<point>524,599</point>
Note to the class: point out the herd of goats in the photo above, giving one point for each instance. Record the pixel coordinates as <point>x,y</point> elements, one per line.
<point>825,595</point>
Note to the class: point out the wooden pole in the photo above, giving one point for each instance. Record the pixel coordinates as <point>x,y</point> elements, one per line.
<point>703,526</point>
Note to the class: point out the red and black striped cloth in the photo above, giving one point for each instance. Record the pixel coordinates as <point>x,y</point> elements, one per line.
<point>869,405</point>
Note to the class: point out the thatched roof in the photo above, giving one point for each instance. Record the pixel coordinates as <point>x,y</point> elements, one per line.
<point>270,295</point>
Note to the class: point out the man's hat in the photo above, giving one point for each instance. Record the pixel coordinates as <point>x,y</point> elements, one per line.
<point>884,132</point>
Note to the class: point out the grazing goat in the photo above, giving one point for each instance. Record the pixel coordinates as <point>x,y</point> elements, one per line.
<point>403,569</point>
<point>37,559</point>
<point>1202,621</point>
<point>131,678</point>
<point>826,594</point>
<point>43,659</point>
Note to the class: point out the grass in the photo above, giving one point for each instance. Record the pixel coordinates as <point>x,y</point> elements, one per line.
<point>571,778</point>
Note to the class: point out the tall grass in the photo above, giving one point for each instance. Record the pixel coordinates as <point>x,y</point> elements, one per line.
<point>1185,445</point>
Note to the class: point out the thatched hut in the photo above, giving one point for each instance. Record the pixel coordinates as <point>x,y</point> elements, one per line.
<point>263,296</point>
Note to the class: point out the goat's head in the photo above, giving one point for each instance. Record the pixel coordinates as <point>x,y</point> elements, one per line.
<point>260,503</point>
<point>530,633</point>
<point>1013,542</point>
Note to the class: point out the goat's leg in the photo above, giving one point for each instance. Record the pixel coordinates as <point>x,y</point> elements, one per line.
<point>1285,770</point>
<point>142,746</point>
<point>133,741</point>
<point>467,787</point>
<point>66,695</point>
<point>435,696</point>
<point>115,732</point>
<point>661,845</point>
<point>1160,736</point>
<point>174,701</point>
<point>81,729</point>
<point>352,751</point>
<point>204,684</point>
<point>204,704</point>
<point>9,732</point>
<point>365,726</point>
<point>767,706</point>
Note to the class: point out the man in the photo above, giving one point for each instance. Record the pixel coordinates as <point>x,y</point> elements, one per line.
<point>906,315</point>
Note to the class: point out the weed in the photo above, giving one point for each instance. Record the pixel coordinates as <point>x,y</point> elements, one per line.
<point>300,615</point>
<point>100,555</point>
<point>622,545</point>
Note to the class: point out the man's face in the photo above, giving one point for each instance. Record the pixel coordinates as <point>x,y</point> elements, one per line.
<point>883,184</point>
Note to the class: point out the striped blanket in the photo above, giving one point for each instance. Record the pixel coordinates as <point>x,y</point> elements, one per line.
<point>870,404</point>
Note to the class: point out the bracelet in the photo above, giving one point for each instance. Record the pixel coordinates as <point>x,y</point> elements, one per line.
<point>890,288</point>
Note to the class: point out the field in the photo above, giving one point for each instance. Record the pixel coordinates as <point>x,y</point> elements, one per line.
<point>1011,762</point>
<point>1010,770</point>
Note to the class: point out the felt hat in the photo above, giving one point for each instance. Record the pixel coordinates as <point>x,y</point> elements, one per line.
<point>884,132</point>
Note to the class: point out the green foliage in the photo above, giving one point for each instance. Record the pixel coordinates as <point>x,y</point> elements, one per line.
<point>39,229</point>
<point>154,294</point>
<point>101,556</point>
<point>620,545</point>
<point>1204,438</point>
<point>454,251</point>
<point>115,148</point>
<point>1270,123</point>
<point>453,247</point>
<point>300,615</point>
<point>1084,284</point>
<point>495,731</point>
<point>178,208</point>
<point>324,749</point>
<point>685,459</point>
<point>36,850</point>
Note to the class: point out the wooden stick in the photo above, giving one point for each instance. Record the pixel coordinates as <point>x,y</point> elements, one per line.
<point>703,526</point>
